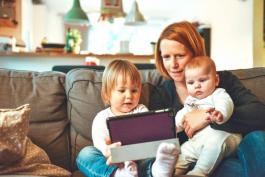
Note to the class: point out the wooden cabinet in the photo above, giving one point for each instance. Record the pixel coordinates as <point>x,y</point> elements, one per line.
<point>10,19</point>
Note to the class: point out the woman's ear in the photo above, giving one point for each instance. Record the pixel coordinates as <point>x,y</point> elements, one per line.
<point>217,80</point>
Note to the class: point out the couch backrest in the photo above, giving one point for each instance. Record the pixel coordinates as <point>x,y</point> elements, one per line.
<point>253,79</point>
<point>48,118</point>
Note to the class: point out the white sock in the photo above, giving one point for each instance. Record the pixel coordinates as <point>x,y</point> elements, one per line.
<point>166,158</point>
<point>129,170</point>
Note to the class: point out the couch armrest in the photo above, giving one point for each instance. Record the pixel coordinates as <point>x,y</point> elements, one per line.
<point>251,153</point>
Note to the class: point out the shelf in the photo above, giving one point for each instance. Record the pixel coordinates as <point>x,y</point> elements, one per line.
<point>44,61</point>
<point>57,54</point>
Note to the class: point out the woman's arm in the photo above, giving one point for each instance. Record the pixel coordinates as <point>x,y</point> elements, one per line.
<point>179,118</point>
<point>160,97</point>
<point>195,121</point>
<point>249,112</point>
<point>164,96</point>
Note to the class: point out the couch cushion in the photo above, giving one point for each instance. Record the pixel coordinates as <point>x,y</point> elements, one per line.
<point>83,89</point>
<point>83,93</point>
<point>45,92</point>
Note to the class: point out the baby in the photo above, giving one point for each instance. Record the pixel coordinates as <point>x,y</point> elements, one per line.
<point>208,146</point>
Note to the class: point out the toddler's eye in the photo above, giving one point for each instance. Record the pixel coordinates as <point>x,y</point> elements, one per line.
<point>121,90</point>
<point>190,82</point>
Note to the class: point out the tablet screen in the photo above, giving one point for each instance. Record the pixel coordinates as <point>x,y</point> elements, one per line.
<point>142,127</point>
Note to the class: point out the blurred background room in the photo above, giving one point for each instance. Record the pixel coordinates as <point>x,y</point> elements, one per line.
<point>233,30</point>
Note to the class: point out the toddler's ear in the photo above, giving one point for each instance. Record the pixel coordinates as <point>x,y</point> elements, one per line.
<point>107,140</point>
<point>217,80</point>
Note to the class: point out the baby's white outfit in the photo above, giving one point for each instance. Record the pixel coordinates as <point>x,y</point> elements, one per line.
<point>208,146</point>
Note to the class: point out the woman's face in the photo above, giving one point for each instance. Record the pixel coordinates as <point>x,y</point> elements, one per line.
<point>175,57</point>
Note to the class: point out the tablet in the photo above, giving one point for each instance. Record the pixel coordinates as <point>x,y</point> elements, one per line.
<point>142,127</point>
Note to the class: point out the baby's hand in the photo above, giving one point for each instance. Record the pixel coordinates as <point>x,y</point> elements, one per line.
<point>214,115</point>
<point>217,116</point>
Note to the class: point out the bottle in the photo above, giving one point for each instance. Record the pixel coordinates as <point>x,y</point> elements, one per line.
<point>68,41</point>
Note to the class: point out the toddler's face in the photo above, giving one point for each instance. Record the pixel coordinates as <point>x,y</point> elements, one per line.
<point>201,84</point>
<point>124,96</point>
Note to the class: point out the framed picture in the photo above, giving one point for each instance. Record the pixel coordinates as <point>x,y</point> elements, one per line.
<point>111,3</point>
<point>8,13</point>
<point>10,20</point>
<point>111,9</point>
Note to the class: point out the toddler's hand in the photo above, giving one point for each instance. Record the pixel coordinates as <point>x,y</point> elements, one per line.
<point>107,153</point>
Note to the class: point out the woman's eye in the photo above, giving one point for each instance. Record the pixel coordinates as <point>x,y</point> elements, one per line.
<point>166,57</point>
<point>134,90</point>
<point>121,90</point>
<point>179,56</point>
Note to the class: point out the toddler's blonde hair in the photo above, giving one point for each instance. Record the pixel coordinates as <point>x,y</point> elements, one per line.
<point>116,68</point>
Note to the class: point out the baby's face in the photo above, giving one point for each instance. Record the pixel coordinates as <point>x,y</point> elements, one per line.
<point>201,84</point>
<point>124,96</point>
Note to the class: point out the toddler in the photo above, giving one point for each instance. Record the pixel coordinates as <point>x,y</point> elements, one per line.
<point>121,90</point>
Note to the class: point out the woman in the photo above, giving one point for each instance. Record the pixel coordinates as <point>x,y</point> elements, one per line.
<point>177,44</point>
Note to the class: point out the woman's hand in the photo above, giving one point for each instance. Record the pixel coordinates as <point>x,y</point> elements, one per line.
<point>195,121</point>
<point>107,153</point>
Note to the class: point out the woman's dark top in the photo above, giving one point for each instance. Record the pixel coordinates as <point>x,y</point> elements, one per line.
<point>248,115</point>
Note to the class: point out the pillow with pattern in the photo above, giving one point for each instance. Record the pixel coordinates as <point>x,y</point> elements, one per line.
<point>18,155</point>
<point>14,125</point>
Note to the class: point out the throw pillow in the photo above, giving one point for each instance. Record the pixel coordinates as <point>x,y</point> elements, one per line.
<point>35,162</point>
<point>18,155</point>
<point>14,124</point>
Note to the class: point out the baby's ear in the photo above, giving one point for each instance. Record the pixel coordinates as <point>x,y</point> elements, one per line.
<point>217,80</point>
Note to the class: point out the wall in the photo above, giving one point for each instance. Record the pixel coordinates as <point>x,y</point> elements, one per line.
<point>258,42</point>
<point>231,26</point>
<point>234,24</point>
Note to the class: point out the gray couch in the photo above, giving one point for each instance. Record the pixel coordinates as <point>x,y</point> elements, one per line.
<point>64,105</point>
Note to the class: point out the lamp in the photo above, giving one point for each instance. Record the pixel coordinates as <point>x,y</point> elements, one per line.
<point>134,17</point>
<point>76,15</point>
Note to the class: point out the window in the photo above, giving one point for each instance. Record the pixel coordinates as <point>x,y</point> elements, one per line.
<point>105,37</point>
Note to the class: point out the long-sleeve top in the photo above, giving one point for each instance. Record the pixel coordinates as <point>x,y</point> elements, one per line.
<point>248,112</point>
